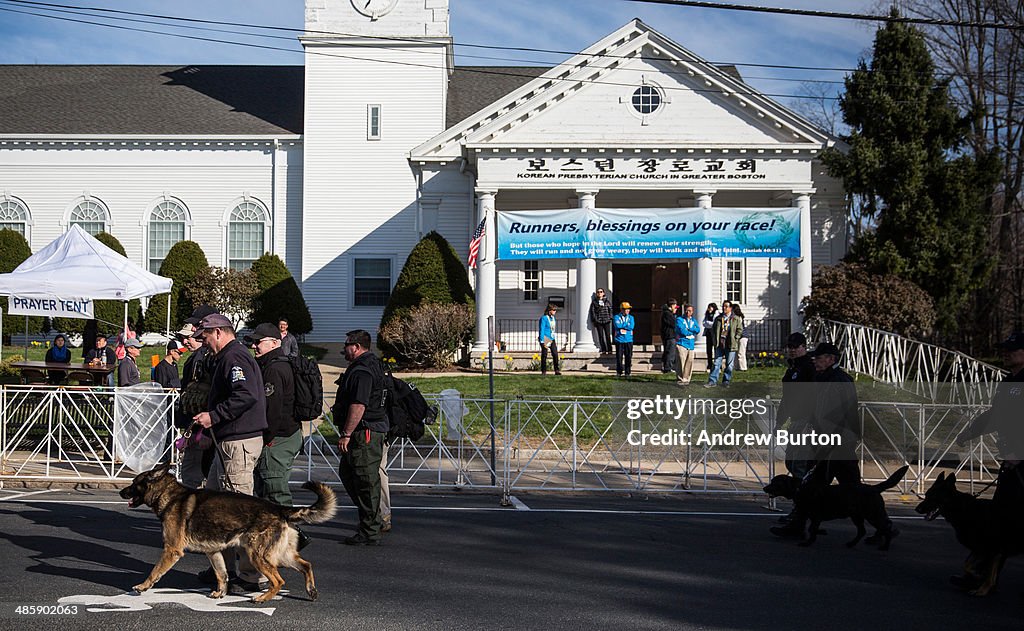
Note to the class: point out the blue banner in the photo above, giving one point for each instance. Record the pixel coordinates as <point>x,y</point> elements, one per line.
<point>649,233</point>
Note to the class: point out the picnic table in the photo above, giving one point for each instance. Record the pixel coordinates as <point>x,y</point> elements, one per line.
<point>98,372</point>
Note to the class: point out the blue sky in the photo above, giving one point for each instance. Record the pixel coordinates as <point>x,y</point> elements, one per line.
<point>570,25</point>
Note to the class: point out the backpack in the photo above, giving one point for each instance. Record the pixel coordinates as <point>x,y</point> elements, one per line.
<point>408,412</point>
<point>309,388</point>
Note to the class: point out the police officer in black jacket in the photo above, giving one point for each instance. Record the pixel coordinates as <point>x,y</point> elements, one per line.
<point>282,439</point>
<point>1005,417</point>
<point>359,411</point>
<point>238,416</point>
<point>797,404</point>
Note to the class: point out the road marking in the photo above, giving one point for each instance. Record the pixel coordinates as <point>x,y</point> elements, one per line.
<point>196,600</point>
<point>518,503</point>
<point>20,495</point>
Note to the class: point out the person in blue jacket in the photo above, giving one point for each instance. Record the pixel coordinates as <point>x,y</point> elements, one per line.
<point>623,325</point>
<point>687,331</point>
<point>546,337</point>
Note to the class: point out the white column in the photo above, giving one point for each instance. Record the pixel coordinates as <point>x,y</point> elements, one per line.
<point>800,268</point>
<point>486,275</point>
<point>586,285</point>
<point>700,269</point>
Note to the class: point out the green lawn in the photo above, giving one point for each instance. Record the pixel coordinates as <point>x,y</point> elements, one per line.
<point>38,353</point>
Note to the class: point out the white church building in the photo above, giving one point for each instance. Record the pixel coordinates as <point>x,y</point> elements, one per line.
<point>340,166</point>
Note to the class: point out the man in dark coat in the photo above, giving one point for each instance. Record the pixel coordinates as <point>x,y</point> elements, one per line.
<point>669,335</point>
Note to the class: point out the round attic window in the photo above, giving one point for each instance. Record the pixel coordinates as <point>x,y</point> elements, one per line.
<point>646,99</point>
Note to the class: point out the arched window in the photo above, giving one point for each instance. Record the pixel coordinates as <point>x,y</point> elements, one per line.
<point>14,216</point>
<point>90,215</point>
<point>166,227</point>
<point>247,233</point>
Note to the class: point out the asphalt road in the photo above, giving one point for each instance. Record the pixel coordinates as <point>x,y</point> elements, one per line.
<point>463,562</point>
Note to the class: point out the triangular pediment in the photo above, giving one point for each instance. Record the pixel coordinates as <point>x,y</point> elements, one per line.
<point>588,102</point>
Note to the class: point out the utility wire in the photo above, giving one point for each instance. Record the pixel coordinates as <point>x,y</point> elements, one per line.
<point>407,39</point>
<point>836,15</point>
<point>461,55</point>
<point>477,70</point>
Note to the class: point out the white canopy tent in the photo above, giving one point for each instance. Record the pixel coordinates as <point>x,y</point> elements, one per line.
<point>77,266</point>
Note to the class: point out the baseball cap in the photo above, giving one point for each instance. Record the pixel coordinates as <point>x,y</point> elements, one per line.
<point>133,343</point>
<point>796,340</point>
<point>186,331</point>
<point>175,345</point>
<point>825,348</point>
<point>1013,343</point>
<point>199,313</point>
<point>261,331</point>
<point>625,305</point>
<point>212,321</point>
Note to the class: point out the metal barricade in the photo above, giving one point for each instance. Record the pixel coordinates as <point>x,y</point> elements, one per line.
<point>558,444</point>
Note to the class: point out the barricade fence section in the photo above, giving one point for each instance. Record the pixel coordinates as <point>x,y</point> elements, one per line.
<point>556,444</point>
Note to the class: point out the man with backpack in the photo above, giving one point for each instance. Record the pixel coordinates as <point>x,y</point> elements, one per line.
<point>360,413</point>
<point>283,437</point>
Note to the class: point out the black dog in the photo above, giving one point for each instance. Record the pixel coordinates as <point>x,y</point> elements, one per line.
<point>989,534</point>
<point>822,503</point>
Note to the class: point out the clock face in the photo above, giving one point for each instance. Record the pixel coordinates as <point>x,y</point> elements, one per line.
<point>374,8</point>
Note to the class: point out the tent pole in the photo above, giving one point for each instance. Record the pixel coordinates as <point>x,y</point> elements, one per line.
<point>26,338</point>
<point>124,331</point>
<point>169,314</point>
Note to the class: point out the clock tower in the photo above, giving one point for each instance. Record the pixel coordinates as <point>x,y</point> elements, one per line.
<point>376,81</point>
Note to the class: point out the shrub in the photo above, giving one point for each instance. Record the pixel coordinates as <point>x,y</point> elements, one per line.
<point>279,296</point>
<point>231,290</point>
<point>14,250</point>
<point>433,273</point>
<point>184,261</point>
<point>430,334</point>
<point>849,293</point>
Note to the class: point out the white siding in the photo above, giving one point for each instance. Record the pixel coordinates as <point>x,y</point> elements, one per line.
<point>360,196</point>
<point>128,178</point>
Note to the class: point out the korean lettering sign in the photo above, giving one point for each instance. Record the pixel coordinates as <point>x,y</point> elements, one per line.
<point>619,168</point>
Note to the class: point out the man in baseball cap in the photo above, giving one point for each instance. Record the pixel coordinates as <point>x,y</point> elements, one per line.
<point>237,414</point>
<point>166,372</point>
<point>262,331</point>
<point>199,313</point>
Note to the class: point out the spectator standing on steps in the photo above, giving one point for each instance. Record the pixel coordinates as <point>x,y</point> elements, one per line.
<point>687,331</point>
<point>601,312</point>
<point>668,336</point>
<point>624,324</point>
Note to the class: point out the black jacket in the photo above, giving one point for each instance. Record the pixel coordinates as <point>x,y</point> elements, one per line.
<point>166,374</point>
<point>237,395</point>
<point>600,311</point>
<point>836,412</point>
<point>279,386</point>
<point>668,323</point>
<point>363,382</point>
<point>798,393</point>
<point>197,367</point>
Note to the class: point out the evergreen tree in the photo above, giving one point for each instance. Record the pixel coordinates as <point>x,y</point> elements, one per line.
<point>433,273</point>
<point>279,296</point>
<point>906,171</point>
<point>184,261</point>
<point>14,249</point>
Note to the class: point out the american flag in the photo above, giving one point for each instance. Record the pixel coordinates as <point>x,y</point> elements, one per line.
<point>474,243</point>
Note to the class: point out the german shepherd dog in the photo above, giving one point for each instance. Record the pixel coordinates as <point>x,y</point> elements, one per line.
<point>988,534</point>
<point>822,503</point>
<point>213,521</point>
